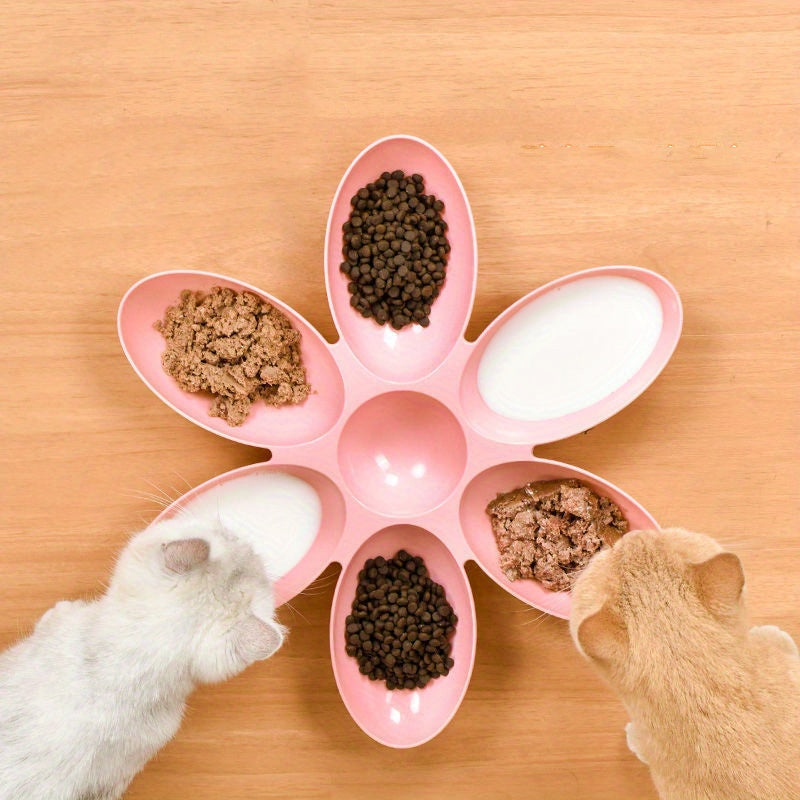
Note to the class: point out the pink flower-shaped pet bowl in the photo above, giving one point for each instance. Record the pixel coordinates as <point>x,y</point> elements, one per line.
<point>409,434</point>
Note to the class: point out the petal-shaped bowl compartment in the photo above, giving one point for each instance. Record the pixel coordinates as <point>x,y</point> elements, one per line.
<point>147,301</point>
<point>502,478</point>
<point>269,504</point>
<point>571,354</point>
<point>402,453</point>
<point>405,718</point>
<point>413,352</point>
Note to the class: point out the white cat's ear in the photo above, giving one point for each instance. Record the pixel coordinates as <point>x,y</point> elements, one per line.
<point>184,555</point>
<point>719,582</point>
<point>602,636</point>
<point>256,639</point>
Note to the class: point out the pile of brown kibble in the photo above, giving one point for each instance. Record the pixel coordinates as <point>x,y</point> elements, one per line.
<point>395,250</point>
<point>401,623</point>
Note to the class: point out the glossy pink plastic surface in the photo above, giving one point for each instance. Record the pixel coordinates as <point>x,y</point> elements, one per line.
<point>405,718</point>
<point>413,352</point>
<point>147,301</point>
<point>402,453</point>
<point>396,438</point>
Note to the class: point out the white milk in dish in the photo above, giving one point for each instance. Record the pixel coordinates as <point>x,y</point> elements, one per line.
<point>570,348</point>
<point>277,514</point>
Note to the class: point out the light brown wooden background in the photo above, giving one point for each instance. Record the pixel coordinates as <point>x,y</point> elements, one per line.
<point>139,136</point>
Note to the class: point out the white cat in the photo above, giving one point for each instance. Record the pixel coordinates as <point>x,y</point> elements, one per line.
<point>100,686</point>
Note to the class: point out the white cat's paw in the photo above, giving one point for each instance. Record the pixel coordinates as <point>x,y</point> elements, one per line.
<point>775,635</point>
<point>633,742</point>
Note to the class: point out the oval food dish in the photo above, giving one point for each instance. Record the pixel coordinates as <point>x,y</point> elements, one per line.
<point>405,718</point>
<point>409,434</point>
<point>596,340</point>
<point>413,352</point>
<point>486,485</point>
<point>147,301</point>
<point>257,518</point>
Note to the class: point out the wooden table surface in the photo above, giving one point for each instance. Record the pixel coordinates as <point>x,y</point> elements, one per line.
<point>139,136</point>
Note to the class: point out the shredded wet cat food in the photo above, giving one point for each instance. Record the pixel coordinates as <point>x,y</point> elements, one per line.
<point>548,530</point>
<point>236,346</point>
<point>400,624</point>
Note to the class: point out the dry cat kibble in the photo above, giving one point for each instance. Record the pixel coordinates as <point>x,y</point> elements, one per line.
<point>400,625</point>
<point>395,250</point>
<point>236,346</point>
<point>548,530</point>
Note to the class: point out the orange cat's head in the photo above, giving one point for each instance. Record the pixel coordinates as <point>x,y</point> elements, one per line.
<point>656,599</point>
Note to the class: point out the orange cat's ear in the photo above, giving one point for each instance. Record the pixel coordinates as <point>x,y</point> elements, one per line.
<point>719,582</point>
<point>602,636</point>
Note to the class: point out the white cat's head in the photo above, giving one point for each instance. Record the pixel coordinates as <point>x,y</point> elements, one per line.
<point>209,588</point>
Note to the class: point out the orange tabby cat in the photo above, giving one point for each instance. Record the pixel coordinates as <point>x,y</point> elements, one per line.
<point>715,707</point>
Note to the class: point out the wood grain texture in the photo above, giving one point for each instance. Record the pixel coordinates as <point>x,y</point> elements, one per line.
<point>140,136</point>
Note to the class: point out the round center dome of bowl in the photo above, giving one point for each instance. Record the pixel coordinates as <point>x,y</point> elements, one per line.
<point>408,434</point>
<point>402,453</point>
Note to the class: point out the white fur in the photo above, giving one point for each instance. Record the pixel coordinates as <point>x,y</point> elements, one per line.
<point>100,686</point>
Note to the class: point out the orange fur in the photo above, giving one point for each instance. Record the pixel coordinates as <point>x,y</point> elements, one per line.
<point>715,707</point>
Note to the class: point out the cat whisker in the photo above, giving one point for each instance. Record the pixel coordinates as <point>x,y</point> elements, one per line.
<point>316,586</point>
<point>306,593</point>
<point>149,496</point>
<point>160,490</point>
<point>539,623</point>
<point>543,621</point>
<point>178,492</point>
<point>537,618</point>
<point>171,502</point>
<point>140,494</point>
<point>182,478</point>
<point>295,611</point>
<point>321,583</point>
<point>160,498</point>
